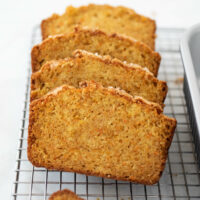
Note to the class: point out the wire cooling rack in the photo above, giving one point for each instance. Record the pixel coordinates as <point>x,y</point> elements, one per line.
<point>181,177</point>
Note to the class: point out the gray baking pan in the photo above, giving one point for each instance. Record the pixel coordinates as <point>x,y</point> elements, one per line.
<point>190,51</point>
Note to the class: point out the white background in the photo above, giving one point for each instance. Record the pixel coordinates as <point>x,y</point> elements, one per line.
<point>17,19</point>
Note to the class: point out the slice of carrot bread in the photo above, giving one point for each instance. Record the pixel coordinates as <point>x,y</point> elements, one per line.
<point>99,131</point>
<point>64,195</point>
<point>109,72</point>
<point>95,41</point>
<point>104,17</point>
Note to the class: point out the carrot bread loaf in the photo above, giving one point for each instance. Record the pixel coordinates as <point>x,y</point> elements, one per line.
<point>99,131</point>
<point>95,41</point>
<point>107,18</point>
<point>109,72</point>
<point>64,195</point>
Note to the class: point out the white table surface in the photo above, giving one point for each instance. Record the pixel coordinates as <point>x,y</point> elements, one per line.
<point>17,19</point>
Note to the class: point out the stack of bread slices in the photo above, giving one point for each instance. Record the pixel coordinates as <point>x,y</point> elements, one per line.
<point>96,103</point>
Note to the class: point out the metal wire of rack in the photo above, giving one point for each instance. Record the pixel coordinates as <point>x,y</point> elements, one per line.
<point>181,177</point>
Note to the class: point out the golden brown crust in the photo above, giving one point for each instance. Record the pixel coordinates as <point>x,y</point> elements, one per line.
<point>109,60</point>
<point>121,93</point>
<point>89,86</point>
<point>72,12</point>
<point>81,56</point>
<point>123,38</point>
<point>47,43</point>
<point>92,84</point>
<point>64,195</point>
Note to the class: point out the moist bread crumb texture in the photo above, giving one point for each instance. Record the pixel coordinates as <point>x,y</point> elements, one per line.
<point>107,18</point>
<point>96,41</point>
<point>80,120</point>
<point>109,72</point>
<point>99,131</point>
<point>64,195</point>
